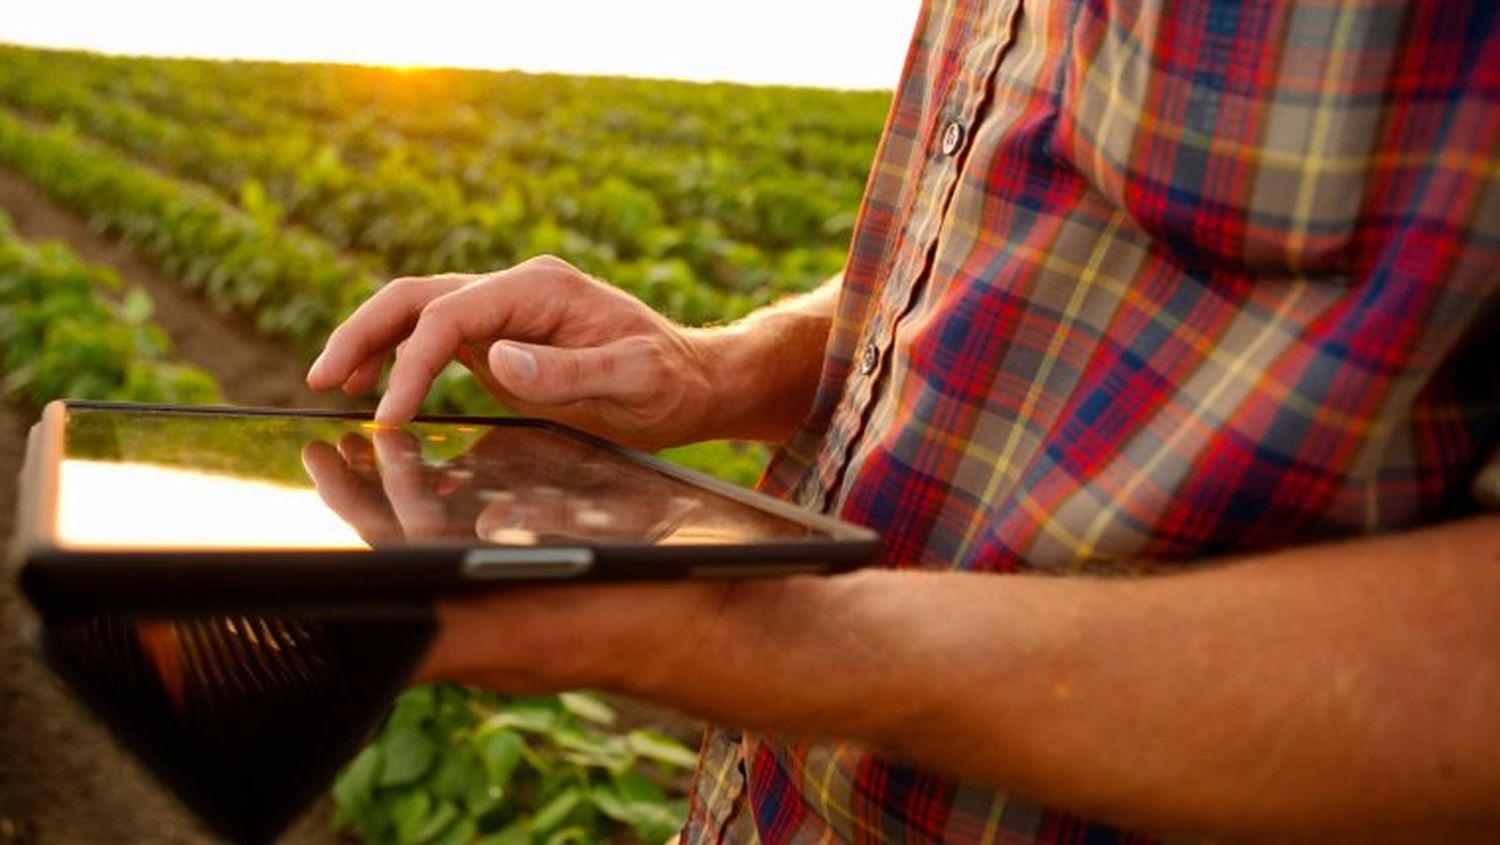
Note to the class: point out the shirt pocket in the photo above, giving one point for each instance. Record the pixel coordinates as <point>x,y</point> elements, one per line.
<point>1240,137</point>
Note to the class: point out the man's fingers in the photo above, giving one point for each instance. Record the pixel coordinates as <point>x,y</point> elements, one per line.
<point>376,326</point>
<point>476,312</point>
<point>550,375</point>
<point>366,375</point>
<point>432,320</point>
<point>348,495</point>
<point>406,481</point>
<point>432,344</point>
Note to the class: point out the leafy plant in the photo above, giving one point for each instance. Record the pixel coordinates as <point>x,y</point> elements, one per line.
<point>70,330</point>
<point>457,766</point>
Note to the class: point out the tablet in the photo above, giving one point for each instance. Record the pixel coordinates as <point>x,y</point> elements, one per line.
<point>159,508</point>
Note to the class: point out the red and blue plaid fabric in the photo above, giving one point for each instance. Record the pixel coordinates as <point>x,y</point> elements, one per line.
<point>1136,285</point>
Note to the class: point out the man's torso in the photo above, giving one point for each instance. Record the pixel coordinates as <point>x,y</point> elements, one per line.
<point>1136,286</point>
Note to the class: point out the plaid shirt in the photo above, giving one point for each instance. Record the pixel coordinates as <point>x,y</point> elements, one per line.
<point>1135,285</point>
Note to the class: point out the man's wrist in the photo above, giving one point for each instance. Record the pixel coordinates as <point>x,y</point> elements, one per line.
<point>762,372</point>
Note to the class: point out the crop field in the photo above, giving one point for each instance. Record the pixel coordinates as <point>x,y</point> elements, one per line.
<point>191,230</point>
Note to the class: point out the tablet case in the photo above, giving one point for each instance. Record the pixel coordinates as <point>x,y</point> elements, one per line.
<point>247,717</point>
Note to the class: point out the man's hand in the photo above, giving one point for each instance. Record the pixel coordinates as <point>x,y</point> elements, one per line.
<point>543,337</point>
<point>547,340</point>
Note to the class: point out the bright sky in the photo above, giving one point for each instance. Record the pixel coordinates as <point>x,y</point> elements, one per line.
<point>832,43</point>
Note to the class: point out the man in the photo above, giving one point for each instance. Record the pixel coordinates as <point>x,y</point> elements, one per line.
<point>1203,289</point>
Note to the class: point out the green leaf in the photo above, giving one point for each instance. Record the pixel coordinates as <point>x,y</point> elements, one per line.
<point>642,807</point>
<point>355,787</point>
<point>576,835</point>
<point>557,810</point>
<point>523,716</point>
<point>137,307</point>
<point>610,803</point>
<point>635,787</point>
<point>587,706</point>
<point>593,749</point>
<point>408,753</point>
<point>661,748</point>
<point>409,813</point>
<point>438,821</point>
<point>412,708</point>
<point>461,832</point>
<point>501,754</point>
<point>459,775</point>
<point>515,834</point>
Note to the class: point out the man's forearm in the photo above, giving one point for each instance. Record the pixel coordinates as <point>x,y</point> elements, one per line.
<point>1349,687</point>
<point>767,365</point>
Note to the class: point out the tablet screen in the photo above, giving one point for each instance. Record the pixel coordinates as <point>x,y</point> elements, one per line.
<point>160,479</point>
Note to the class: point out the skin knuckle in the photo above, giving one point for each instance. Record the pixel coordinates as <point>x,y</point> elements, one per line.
<point>549,263</point>
<point>657,358</point>
<point>569,372</point>
<point>442,313</point>
<point>607,366</point>
<point>556,271</point>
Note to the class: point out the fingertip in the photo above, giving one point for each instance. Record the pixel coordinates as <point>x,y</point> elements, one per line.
<point>319,375</point>
<point>389,411</point>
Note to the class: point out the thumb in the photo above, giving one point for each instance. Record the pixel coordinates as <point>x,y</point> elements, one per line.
<point>551,375</point>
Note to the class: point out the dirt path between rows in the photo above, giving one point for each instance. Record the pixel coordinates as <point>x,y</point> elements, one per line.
<point>63,779</point>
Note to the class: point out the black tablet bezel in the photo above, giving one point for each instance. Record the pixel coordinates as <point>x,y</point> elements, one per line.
<point>58,578</point>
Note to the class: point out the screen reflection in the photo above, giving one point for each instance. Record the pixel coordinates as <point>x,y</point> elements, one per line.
<point>164,480</point>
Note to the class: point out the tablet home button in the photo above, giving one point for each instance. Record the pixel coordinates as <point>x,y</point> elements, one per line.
<point>504,564</point>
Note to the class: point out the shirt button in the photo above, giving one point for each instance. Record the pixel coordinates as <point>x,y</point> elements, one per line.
<point>953,138</point>
<point>869,359</point>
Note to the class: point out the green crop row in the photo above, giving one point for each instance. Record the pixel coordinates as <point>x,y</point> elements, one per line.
<point>673,191</point>
<point>294,286</point>
<point>467,118</point>
<point>68,329</point>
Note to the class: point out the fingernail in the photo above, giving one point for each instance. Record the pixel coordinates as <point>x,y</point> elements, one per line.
<point>518,360</point>
<point>383,410</point>
<point>314,371</point>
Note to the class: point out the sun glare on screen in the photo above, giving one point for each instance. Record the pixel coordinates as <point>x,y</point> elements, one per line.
<point>139,506</point>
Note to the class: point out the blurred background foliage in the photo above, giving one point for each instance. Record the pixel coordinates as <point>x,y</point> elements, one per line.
<point>287,193</point>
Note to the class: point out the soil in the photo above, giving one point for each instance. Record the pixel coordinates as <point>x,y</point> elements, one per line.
<point>63,778</point>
